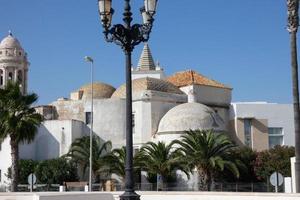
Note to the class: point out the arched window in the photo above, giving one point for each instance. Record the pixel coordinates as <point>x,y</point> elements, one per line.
<point>20,76</point>
<point>10,76</point>
<point>1,77</point>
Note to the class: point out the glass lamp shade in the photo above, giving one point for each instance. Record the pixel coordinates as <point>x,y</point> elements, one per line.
<point>107,19</point>
<point>150,6</point>
<point>104,6</point>
<point>145,15</point>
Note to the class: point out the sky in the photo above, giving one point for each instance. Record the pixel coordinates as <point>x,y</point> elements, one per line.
<point>241,43</point>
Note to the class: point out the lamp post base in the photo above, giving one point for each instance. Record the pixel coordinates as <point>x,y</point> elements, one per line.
<point>130,196</point>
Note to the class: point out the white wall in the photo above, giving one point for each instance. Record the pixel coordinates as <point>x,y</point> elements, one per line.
<point>5,160</point>
<point>208,95</point>
<point>109,120</point>
<point>278,115</point>
<point>55,137</point>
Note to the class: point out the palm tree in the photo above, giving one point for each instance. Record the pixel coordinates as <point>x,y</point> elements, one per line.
<point>293,23</point>
<point>161,159</point>
<point>207,152</point>
<point>80,153</point>
<point>114,163</point>
<point>18,121</point>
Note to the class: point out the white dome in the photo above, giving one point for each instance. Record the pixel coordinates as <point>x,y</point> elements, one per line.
<point>10,42</point>
<point>189,116</point>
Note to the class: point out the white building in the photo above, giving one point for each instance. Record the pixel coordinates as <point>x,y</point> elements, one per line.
<point>163,108</point>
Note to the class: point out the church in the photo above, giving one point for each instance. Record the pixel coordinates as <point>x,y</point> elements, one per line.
<point>164,106</point>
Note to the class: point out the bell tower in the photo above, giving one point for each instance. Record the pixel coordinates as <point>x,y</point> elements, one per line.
<point>13,63</point>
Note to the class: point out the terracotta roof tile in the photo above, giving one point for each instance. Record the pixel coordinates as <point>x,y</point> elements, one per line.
<point>190,77</point>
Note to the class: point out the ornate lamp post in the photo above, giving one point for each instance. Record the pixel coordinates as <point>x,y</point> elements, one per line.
<point>293,23</point>
<point>127,36</point>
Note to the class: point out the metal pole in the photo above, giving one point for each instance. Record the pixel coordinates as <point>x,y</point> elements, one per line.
<point>91,129</point>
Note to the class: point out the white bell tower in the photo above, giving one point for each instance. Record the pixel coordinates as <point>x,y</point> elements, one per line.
<point>13,63</point>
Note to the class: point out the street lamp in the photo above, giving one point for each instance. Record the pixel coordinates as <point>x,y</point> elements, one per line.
<point>90,60</point>
<point>127,36</point>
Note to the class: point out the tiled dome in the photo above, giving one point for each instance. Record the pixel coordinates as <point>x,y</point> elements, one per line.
<point>100,91</point>
<point>147,83</point>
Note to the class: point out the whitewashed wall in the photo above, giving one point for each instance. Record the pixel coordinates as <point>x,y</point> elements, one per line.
<point>278,115</point>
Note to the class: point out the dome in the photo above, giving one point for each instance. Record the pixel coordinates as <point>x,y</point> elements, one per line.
<point>10,42</point>
<point>189,116</point>
<point>100,91</point>
<point>147,83</point>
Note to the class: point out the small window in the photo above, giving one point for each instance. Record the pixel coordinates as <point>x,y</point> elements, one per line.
<point>0,175</point>
<point>0,52</point>
<point>88,117</point>
<point>20,76</point>
<point>133,122</point>
<point>275,136</point>
<point>20,53</point>
<point>248,132</point>
<point>1,77</point>
<point>10,76</point>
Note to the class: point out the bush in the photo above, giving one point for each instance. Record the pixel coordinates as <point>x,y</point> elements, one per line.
<point>26,167</point>
<point>56,171</point>
<point>275,159</point>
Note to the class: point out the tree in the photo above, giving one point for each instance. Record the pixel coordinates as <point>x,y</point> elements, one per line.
<point>293,23</point>
<point>161,159</point>
<point>244,158</point>
<point>80,152</point>
<point>56,171</point>
<point>18,121</point>
<point>208,152</point>
<point>275,159</point>
<point>26,167</point>
<point>114,163</point>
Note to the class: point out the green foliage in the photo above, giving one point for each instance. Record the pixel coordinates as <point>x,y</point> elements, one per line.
<point>114,163</point>
<point>275,159</point>
<point>26,167</point>
<point>208,152</point>
<point>19,121</point>
<point>80,152</point>
<point>56,171</point>
<point>161,159</point>
<point>244,158</point>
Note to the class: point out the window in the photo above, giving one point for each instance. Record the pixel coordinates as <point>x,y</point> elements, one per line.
<point>133,122</point>
<point>10,76</point>
<point>0,176</point>
<point>248,132</point>
<point>20,76</point>
<point>1,77</point>
<point>88,117</point>
<point>275,137</point>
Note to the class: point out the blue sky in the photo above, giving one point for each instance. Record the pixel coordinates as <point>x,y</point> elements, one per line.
<point>242,43</point>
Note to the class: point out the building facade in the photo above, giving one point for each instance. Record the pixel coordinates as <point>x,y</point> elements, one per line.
<point>164,107</point>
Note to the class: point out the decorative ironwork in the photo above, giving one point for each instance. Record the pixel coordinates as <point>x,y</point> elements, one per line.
<point>127,36</point>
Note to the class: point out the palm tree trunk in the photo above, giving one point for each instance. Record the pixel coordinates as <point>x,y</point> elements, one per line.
<point>296,106</point>
<point>293,23</point>
<point>14,160</point>
<point>203,182</point>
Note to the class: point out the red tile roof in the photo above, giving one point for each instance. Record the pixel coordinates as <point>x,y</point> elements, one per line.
<point>191,77</point>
